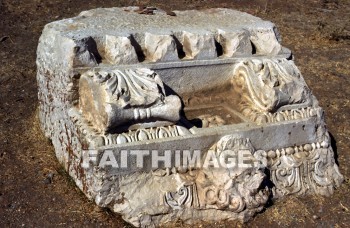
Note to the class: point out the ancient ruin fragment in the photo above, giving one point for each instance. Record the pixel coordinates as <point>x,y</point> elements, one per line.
<point>145,92</point>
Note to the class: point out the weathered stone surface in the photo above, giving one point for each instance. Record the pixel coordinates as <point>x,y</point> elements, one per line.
<point>112,99</point>
<point>160,48</point>
<point>266,41</point>
<point>198,46</point>
<point>119,50</point>
<point>116,84</point>
<point>234,43</point>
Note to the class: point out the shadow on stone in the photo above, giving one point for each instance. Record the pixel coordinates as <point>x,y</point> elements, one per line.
<point>334,147</point>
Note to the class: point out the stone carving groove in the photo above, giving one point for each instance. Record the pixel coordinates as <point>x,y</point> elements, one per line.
<point>143,134</point>
<point>285,115</point>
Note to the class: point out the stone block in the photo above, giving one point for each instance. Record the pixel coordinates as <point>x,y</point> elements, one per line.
<point>235,43</point>
<point>119,50</point>
<point>160,48</point>
<point>197,116</point>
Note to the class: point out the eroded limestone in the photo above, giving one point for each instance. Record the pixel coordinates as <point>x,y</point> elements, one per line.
<point>119,80</point>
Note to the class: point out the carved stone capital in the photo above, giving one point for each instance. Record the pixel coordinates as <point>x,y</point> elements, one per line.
<point>128,99</point>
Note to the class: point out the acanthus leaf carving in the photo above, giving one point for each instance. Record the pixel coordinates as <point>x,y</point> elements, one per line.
<point>126,99</point>
<point>305,168</point>
<point>272,84</point>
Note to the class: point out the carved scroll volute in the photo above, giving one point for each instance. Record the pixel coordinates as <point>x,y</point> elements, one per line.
<point>129,98</point>
<point>256,91</point>
<point>270,84</point>
<point>184,197</point>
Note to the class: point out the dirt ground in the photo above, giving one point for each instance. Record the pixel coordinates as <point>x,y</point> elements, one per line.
<point>36,191</point>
